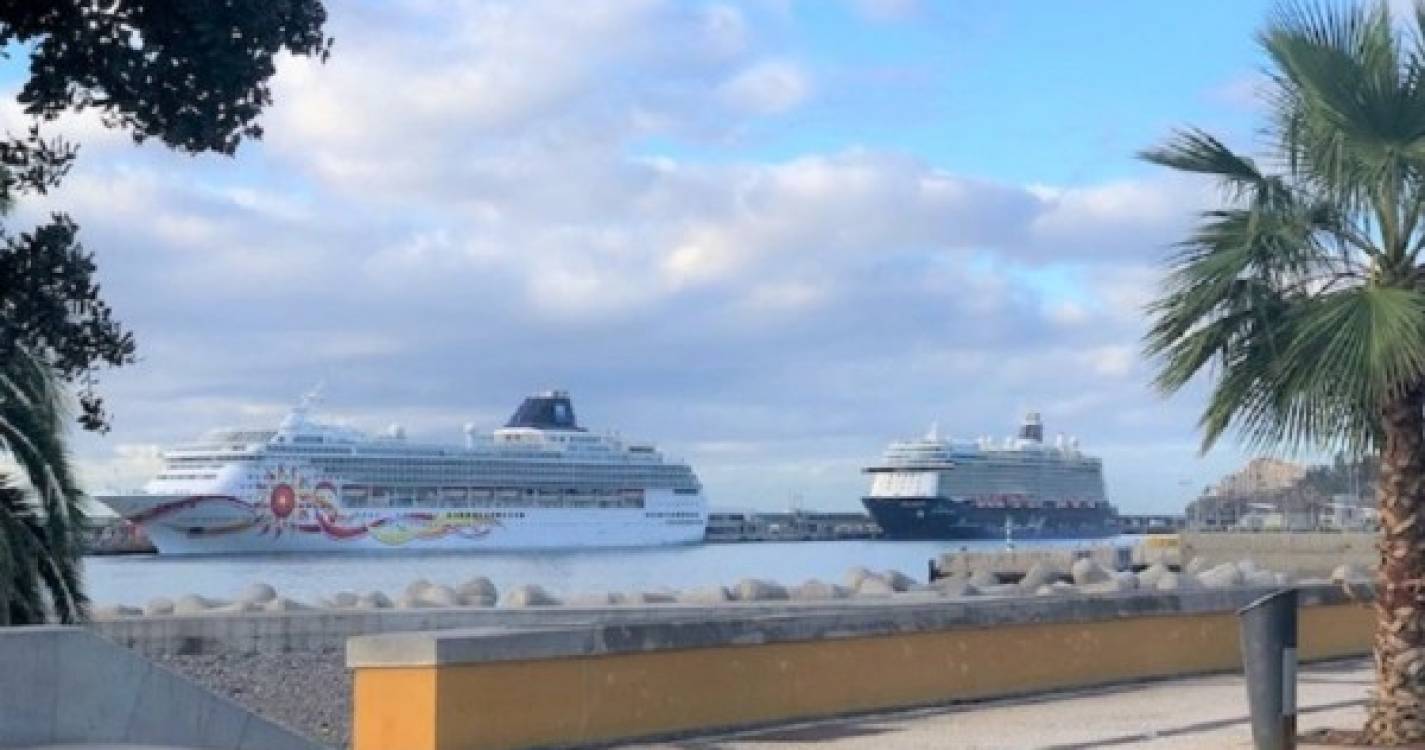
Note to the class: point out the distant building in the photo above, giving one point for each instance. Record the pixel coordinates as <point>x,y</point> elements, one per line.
<point>754,526</point>
<point>1259,476</point>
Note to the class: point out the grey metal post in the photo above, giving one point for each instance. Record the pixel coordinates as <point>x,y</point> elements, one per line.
<point>1269,659</point>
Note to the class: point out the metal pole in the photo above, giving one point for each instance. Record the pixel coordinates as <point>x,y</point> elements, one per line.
<point>1269,660</point>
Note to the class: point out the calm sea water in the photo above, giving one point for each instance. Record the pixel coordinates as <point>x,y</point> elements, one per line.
<point>138,578</point>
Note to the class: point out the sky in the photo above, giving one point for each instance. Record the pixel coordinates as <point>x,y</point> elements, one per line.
<point>770,236</point>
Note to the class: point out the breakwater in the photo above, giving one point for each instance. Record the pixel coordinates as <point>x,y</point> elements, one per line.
<point>274,653</point>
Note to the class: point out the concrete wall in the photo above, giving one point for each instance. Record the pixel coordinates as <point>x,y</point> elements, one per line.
<point>1306,554</point>
<point>328,630</point>
<point>499,689</point>
<point>67,685</point>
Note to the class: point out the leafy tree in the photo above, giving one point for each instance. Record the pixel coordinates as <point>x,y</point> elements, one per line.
<point>192,74</point>
<point>1302,297</point>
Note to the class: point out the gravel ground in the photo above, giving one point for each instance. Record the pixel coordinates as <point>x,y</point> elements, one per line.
<point>310,693</point>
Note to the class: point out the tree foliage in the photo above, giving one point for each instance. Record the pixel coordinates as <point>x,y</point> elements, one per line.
<point>1302,296</point>
<point>192,74</point>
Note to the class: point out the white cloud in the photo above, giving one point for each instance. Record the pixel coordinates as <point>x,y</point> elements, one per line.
<point>459,207</point>
<point>767,88</point>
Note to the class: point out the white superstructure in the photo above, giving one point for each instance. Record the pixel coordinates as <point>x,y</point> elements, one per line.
<point>539,482</point>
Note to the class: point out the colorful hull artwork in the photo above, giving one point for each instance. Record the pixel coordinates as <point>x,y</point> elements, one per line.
<point>287,504</point>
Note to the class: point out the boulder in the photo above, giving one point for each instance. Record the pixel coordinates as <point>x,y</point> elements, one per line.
<point>478,592</point>
<point>1055,589</point>
<point>344,600</point>
<point>235,608</point>
<point>417,587</point>
<point>1127,580</point>
<point>704,595</point>
<point>1247,567</point>
<point>282,604</point>
<point>1221,576</point>
<point>1197,565</point>
<point>898,580</point>
<point>413,602</point>
<point>875,586</point>
<point>1039,574</point>
<point>158,606</point>
<point>193,604</point>
<point>114,612</point>
<point>983,578</point>
<point>1350,573</point>
<point>855,575</point>
<point>440,596</point>
<point>818,591</point>
<point>954,587</point>
<point>1148,577</point>
<point>1177,582</point>
<point>257,593</point>
<point>1087,570</point>
<point>529,595</point>
<point>373,600</point>
<point>757,590</point>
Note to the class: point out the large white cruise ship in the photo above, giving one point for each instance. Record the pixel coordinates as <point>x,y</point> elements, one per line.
<point>541,481</point>
<point>933,488</point>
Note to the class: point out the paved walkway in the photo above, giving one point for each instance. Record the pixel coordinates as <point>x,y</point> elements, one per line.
<point>1198,712</point>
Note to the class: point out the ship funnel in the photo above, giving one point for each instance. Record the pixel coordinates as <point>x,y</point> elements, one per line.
<point>1032,428</point>
<point>469,434</point>
<point>550,410</point>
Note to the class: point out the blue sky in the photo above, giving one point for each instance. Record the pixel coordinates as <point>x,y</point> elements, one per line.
<point>770,236</point>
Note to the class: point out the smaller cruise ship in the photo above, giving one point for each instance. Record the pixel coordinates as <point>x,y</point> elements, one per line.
<point>541,481</point>
<point>932,488</point>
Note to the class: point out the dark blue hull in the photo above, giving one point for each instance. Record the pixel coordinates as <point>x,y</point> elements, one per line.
<point>936,518</point>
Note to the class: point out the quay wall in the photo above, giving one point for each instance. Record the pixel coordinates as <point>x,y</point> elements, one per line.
<point>1303,553</point>
<point>502,688</point>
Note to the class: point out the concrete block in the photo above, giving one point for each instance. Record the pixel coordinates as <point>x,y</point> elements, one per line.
<point>815,591</point>
<point>898,580</point>
<point>260,734</point>
<point>875,586</point>
<point>96,715</point>
<point>29,684</point>
<point>1087,570</point>
<point>529,596</point>
<point>704,595</point>
<point>1148,577</point>
<point>982,578</point>
<point>257,593</point>
<point>158,606</point>
<point>478,592</point>
<point>757,590</point>
<point>1039,574</point>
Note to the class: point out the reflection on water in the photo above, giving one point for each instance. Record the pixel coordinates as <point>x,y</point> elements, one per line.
<point>135,579</point>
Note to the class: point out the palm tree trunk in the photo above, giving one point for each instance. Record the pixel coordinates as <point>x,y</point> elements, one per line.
<point>1397,710</point>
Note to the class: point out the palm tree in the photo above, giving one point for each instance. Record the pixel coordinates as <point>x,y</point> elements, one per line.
<point>1302,298</point>
<point>40,529</point>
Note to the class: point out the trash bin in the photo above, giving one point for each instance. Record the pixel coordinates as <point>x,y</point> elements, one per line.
<point>1269,659</point>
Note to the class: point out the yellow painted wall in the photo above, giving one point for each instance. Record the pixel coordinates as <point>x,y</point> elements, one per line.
<point>533,703</point>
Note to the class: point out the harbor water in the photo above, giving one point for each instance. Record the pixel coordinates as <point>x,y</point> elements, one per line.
<point>134,579</point>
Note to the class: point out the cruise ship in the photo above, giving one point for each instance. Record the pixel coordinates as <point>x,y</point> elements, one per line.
<point>540,482</point>
<point>1020,488</point>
